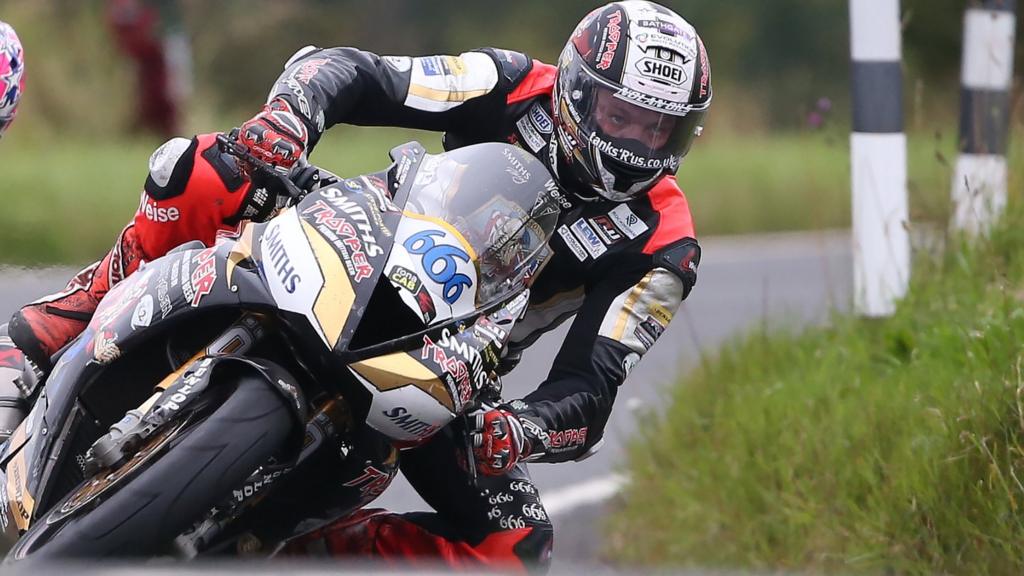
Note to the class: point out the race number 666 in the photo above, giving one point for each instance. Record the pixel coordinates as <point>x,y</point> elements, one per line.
<point>439,262</point>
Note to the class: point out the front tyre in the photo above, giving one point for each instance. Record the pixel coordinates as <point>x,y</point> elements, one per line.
<point>173,489</point>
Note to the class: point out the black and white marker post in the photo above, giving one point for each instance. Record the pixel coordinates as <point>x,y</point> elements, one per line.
<point>878,148</point>
<point>986,73</point>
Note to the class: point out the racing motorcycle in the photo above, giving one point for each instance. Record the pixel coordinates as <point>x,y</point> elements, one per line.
<point>225,399</point>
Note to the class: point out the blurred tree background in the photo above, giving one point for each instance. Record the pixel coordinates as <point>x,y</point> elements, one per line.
<point>772,60</point>
<point>775,155</point>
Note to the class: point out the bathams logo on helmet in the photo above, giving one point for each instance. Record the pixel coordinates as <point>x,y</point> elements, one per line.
<point>663,27</point>
<point>610,41</point>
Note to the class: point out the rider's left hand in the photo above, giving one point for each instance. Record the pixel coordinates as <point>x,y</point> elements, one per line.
<point>499,441</point>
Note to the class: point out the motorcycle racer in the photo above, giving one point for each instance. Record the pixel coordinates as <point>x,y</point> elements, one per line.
<point>613,121</point>
<point>12,75</point>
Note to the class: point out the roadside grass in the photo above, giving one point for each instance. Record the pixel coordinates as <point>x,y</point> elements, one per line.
<point>66,199</point>
<point>869,446</point>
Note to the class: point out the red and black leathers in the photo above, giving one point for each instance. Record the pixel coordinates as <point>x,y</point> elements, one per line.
<point>622,269</point>
<point>191,193</point>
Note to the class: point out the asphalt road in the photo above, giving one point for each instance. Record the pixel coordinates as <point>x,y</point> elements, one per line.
<point>779,279</point>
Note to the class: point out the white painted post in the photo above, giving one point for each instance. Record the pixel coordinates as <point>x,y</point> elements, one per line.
<point>986,73</point>
<point>878,148</point>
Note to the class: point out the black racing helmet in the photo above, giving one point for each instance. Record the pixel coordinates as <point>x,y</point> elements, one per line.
<point>631,92</point>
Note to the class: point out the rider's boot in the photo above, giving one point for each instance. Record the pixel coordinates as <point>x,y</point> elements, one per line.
<point>45,326</point>
<point>13,404</point>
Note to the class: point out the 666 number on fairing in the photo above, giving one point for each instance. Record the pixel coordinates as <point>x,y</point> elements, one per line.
<point>439,262</point>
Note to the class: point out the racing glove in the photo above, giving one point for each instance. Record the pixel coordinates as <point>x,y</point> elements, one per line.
<point>502,439</point>
<point>276,135</point>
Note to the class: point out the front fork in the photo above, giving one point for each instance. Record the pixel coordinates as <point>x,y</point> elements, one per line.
<point>19,380</point>
<point>126,435</point>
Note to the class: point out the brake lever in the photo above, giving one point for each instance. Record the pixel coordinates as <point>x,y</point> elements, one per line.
<point>467,436</point>
<point>229,144</point>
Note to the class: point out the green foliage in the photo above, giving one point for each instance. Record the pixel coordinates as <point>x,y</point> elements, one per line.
<point>734,184</point>
<point>866,446</point>
<point>775,57</point>
<point>68,199</point>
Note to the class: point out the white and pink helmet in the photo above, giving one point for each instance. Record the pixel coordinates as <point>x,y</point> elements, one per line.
<point>12,75</point>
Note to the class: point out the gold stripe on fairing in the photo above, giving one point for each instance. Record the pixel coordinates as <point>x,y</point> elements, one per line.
<point>627,307</point>
<point>19,501</point>
<point>240,251</point>
<point>334,302</point>
<point>445,95</point>
<point>399,370</point>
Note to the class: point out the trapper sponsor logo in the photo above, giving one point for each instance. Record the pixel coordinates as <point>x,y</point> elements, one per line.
<point>458,358</point>
<point>157,214</point>
<point>343,234</point>
<point>610,42</point>
<point>308,70</point>
<point>358,215</point>
<point>571,438</point>
<point>371,482</point>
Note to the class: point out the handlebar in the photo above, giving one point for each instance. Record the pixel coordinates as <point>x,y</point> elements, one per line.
<point>229,144</point>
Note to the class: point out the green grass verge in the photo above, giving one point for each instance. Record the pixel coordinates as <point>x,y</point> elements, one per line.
<point>66,200</point>
<point>867,446</point>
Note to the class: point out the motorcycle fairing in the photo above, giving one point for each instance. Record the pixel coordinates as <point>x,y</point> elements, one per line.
<point>415,394</point>
<point>149,303</point>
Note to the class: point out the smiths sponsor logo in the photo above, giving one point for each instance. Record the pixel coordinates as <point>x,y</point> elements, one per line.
<point>591,242</point>
<point>280,263</point>
<point>662,71</point>
<point>408,423</point>
<point>541,119</point>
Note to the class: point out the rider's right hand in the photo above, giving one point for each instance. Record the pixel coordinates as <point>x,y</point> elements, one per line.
<point>276,135</point>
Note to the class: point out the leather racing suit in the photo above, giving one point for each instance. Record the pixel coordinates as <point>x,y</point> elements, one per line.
<point>621,268</point>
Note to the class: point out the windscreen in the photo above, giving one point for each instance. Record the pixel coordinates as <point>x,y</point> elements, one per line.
<point>479,219</point>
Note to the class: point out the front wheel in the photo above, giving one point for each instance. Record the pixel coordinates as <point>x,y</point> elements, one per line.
<point>140,513</point>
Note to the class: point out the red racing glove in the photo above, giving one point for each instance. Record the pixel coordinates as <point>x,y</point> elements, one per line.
<point>276,135</point>
<point>499,441</point>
